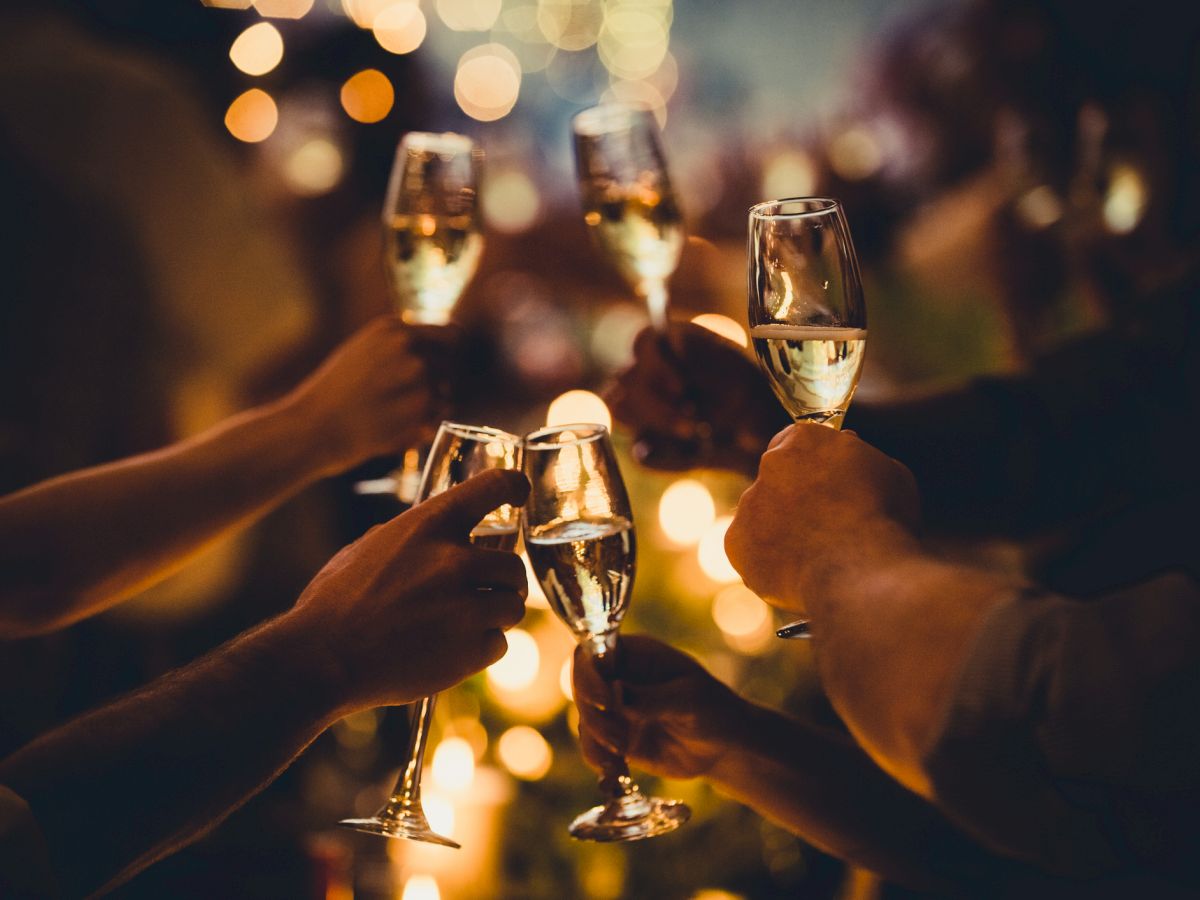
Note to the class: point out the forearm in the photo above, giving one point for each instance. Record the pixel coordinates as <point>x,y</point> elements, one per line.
<point>822,787</point>
<point>120,787</point>
<point>890,639</point>
<point>77,544</point>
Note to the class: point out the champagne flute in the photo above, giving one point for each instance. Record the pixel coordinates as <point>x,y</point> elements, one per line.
<point>808,319</point>
<point>579,535</point>
<point>432,245</point>
<point>628,203</point>
<point>459,452</point>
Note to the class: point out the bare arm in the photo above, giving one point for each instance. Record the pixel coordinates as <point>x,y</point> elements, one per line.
<point>677,720</point>
<point>393,617</point>
<point>77,544</point>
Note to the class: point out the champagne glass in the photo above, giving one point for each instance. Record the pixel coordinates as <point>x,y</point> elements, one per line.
<point>808,320</point>
<point>459,452</point>
<point>628,203</point>
<point>432,245</point>
<point>579,535</point>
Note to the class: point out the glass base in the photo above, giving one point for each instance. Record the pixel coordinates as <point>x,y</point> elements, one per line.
<point>410,827</point>
<point>630,818</point>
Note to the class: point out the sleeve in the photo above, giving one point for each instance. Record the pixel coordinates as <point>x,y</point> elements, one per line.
<point>24,860</point>
<point>1073,740</point>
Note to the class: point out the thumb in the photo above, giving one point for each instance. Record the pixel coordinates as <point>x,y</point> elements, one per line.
<point>459,509</point>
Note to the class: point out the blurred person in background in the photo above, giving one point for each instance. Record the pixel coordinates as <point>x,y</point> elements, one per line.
<point>407,610</point>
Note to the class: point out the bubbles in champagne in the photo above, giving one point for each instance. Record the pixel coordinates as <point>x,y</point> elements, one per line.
<point>430,259</point>
<point>812,369</point>
<point>586,568</point>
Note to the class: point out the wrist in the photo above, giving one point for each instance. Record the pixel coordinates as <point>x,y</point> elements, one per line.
<point>877,550</point>
<point>314,434</point>
<point>300,652</point>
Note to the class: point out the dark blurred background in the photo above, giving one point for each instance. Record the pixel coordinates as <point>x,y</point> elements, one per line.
<point>192,197</point>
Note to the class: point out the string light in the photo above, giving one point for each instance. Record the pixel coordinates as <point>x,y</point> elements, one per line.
<point>487,82</point>
<point>724,326</point>
<point>367,96</point>
<point>283,9</point>
<point>252,117</point>
<point>453,766</point>
<point>518,667</point>
<point>711,552</point>
<point>399,28</point>
<point>686,511</point>
<point>578,407</point>
<point>258,49</point>
<point>524,752</point>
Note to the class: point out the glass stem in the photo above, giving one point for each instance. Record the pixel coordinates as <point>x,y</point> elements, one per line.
<point>615,781</point>
<point>655,293</point>
<point>407,793</point>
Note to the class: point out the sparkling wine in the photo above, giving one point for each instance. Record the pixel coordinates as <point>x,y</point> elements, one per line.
<point>812,369</point>
<point>641,231</point>
<point>431,258</point>
<point>495,535</point>
<point>586,569</point>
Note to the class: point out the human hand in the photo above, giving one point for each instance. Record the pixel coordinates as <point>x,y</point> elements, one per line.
<point>412,607</point>
<point>825,503</point>
<point>372,396</point>
<point>691,398</point>
<point>665,713</point>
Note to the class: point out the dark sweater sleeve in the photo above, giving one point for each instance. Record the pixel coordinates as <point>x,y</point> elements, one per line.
<point>1073,740</point>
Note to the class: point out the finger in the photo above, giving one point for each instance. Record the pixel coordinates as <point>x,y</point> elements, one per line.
<point>458,510</point>
<point>669,698</point>
<point>595,754</point>
<point>500,610</point>
<point>495,645</point>
<point>645,660</point>
<point>589,685</point>
<point>779,438</point>
<point>608,730</point>
<point>496,569</point>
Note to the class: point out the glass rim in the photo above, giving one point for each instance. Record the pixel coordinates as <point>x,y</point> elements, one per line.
<point>585,433</point>
<point>440,142</point>
<point>606,118</point>
<point>478,432</point>
<point>815,206</point>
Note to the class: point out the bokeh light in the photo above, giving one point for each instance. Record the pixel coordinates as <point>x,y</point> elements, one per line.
<point>510,201</point>
<point>1125,200</point>
<point>363,12</point>
<point>790,173</point>
<point>468,15</point>
<point>855,153</point>
<point>368,96</point>
<point>711,553</point>
<point>1039,207</point>
<point>724,326</point>
<point>518,667</point>
<point>570,24</point>
<point>313,168</point>
<point>743,618</point>
<point>524,752</point>
<point>226,4</point>
<point>536,598</point>
<point>252,116</point>
<point>283,9</point>
<point>453,766</point>
<point>686,511</point>
<point>577,407</point>
<point>633,42</point>
<point>421,887</point>
<point>258,49</point>
<point>614,333</point>
<point>565,675</point>
<point>440,812</point>
<point>400,28</point>
<point>487,82</point>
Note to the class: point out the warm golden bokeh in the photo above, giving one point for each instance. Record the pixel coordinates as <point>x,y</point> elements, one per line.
<point>252,117</point>
<point>368,96</point>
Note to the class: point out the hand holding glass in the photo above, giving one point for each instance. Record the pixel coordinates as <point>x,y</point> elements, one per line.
<point>432,245</point>
<point>808,319</point>
<point>579,534</point>
<point>459,452</point>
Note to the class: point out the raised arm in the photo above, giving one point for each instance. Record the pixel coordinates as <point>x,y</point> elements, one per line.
<point>74,545</point>
<point>394,616</point>
<point>676,720</point>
